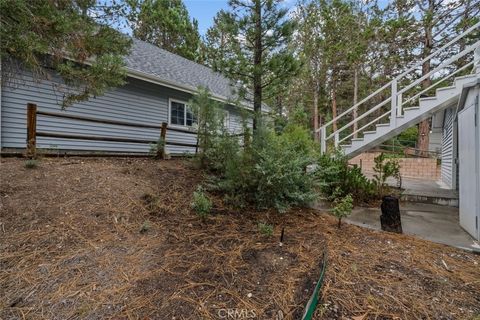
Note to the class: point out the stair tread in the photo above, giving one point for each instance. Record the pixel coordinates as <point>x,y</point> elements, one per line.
<point>357,139</point>
<point>411,108</point>
<point>383,125</point>
<point>446,88</point>
<point>369,132</point>
<point>428,98</point>
<point>467,76</point>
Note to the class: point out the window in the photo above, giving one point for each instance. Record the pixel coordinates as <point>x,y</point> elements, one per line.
<point>180,114</point>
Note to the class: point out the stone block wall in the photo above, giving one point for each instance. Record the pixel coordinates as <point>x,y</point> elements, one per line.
<point>412,168</point>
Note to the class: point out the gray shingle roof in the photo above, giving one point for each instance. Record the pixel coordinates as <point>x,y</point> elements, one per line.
<point>147,58</point>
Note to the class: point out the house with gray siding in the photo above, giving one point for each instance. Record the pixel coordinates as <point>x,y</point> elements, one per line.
<point>158,88</point>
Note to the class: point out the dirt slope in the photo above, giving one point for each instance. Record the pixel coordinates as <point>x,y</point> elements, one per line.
<point>115,238</point>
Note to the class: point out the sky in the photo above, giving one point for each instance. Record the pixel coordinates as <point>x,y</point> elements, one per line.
<point>204,11</point>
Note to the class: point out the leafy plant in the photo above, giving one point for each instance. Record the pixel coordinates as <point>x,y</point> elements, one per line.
<point>270,173</point>
<point>145,226</point>
<point>152,202</point>
<point>265,229</point>
<point>155,147</point>
<point>201,204</point>
<point>385,168</point>
<point>337,178</point>
<point>212,135</point>
<point>343,208</point>
<point>53,30</point>
<point>31,164</point>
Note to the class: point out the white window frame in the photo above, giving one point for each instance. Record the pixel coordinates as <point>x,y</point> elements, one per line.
<point>170,100</point>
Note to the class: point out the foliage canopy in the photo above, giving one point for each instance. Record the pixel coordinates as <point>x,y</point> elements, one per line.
<point>71,38</point>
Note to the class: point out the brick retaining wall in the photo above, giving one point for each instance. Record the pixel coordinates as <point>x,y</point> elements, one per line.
<point>416,168</point>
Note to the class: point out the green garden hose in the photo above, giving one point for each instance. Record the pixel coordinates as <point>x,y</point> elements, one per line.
<point>312,303</point>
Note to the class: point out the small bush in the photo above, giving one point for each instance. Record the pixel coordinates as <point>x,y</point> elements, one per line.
<point>385,168</point>
<point>343,208</point>
<point>145,226</point>
<point>265,229</point>
<point>222,148</point>
<point>210,124</point>
<point>156,147</point>
<point>201,204</point>
<point>270,173</point>
<point>152,202</point>
<point>31,164</point>
<point>337,178</point>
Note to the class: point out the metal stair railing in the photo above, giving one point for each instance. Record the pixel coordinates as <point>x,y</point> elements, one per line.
<point>395,94</point>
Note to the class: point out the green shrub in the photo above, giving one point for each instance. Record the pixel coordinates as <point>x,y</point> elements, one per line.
<point>270,173</point>
<point>337,178</point>
<point>145,226</point>
<point>265,229</point>
<point>31,164</point>
<point>155,147</point>
<point>385,168</point>
<point>201,204</point>
<point>343,208</point>
<point>222,148</point>
<point>210,124</point>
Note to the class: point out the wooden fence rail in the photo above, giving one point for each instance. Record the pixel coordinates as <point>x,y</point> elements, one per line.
<point>32,132</point>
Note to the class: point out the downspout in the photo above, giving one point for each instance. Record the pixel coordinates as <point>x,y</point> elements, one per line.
<point>1,83</point>
<point>477,163</point>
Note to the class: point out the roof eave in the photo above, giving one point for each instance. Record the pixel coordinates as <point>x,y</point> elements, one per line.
<point>188,89</point>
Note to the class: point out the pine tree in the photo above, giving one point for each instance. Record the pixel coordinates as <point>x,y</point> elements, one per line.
<point>252,37</point>
<point>309,48</point>
<point>438,19</point>
<point>166,24</point>
<point>61,37</point>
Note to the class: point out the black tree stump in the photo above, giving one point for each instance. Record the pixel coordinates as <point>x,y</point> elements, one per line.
<point>390,218</point>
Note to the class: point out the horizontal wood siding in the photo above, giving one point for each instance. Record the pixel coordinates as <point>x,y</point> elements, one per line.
<point>137,101</point>
<point>447,148</point>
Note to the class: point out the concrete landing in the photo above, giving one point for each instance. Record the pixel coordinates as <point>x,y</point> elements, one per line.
<point>427,191</point>
<point>427,221</point>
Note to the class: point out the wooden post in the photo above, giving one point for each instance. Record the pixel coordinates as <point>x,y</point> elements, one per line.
<point>162,142</point>
<point>31,130</point>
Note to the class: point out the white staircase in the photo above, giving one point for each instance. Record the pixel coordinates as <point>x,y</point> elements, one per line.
<point>405,104</point>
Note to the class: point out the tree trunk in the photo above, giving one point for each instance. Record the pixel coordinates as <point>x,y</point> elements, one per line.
<point>355,100</point>
<point>257,68</point>
<point>334,102</point>
<point>424,126</point>
<point>315,112</point>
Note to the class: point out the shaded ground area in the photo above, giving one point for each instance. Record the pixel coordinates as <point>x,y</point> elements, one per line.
<point>115,239</point>
<point>428,221</point>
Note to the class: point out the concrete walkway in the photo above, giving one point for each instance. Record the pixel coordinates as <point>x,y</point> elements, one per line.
<point>426,191</point>
<point>435,223</point>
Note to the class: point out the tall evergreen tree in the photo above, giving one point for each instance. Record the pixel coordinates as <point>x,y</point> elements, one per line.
<point>253,37</point>
<point>166,24</point>
<point>437,20</point>
<point>70,38</point>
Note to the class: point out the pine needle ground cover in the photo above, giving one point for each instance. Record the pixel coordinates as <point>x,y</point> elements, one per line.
<point>117,239</point>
